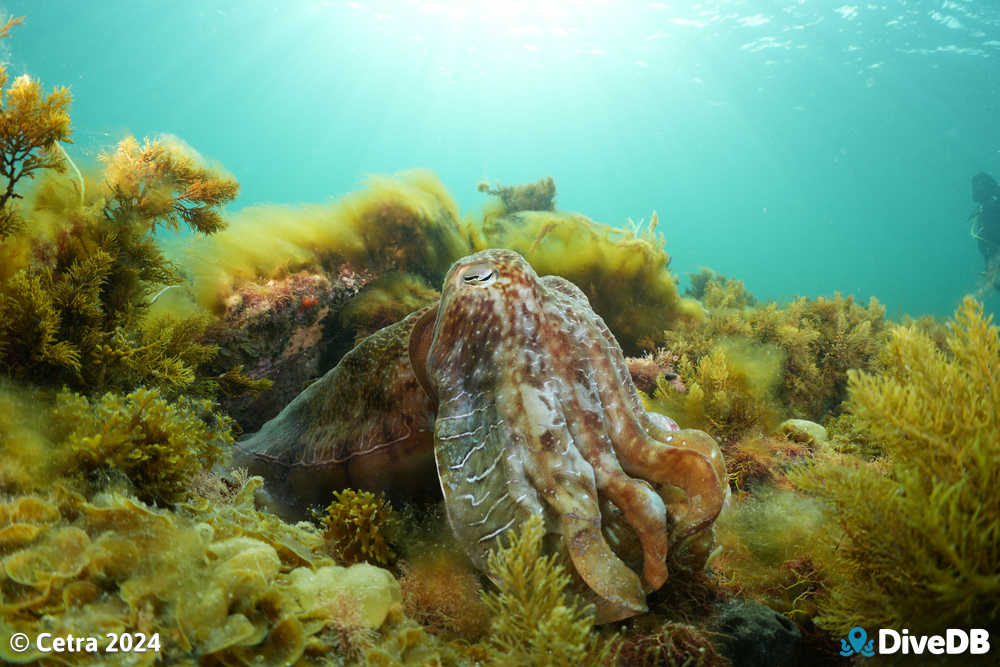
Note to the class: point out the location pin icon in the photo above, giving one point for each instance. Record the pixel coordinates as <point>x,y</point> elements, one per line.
<point>857,637</point>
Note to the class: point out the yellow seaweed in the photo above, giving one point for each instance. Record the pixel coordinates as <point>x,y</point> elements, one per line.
<point>536,620</point>
<point>918,544</point>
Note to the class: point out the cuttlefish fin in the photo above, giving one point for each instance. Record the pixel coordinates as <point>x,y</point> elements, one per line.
<point>421,337</point>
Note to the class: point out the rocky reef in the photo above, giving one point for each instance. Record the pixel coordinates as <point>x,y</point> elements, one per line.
<point>860,455</point>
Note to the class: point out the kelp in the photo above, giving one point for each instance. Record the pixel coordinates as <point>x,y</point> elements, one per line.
<point>919,535</point>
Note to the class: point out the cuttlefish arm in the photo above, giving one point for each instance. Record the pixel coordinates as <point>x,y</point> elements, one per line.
<point>538,415</point>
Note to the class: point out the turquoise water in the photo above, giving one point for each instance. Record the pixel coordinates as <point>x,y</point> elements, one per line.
<point>803,146</point>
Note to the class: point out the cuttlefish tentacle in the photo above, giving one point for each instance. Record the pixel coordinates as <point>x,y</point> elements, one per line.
<point>677,460</point>
<point>516,391</point>
<point>687,459</point>
<point>543,410</point>
<point>482,475</point>
<point>713,494</point>
<point>567,484</point>
<point>678,463</point>
<point>642,508</point>
<point>471,453</point>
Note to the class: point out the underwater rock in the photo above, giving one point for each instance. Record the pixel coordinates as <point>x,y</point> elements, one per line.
<point>281,329</point>
<point>803,430</point>
<point>754,635</point>
<point>520,395</point>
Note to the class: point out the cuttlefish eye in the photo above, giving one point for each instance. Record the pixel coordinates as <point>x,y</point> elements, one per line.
<point>479,275</point>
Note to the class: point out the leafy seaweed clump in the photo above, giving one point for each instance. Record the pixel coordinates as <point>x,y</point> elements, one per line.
<point>31,126</point>
<point>921,532</point>
<point>165,182</point>
<point>672,643</point>
<point>405,231</point>
<point>73,310</point>
<point>536,621</point>
<point>358,526</point>
<point>772,542</point>
<point>219,583</point>
<point>140,443</point>
<point>407,222</point>
<point>819,339</point>
<point>159,446</point>
<point>731,391</point>
<point>442,592</point>
<point>715,290</point>
<point>537,196</point>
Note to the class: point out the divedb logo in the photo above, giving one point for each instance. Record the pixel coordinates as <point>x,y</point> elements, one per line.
<point>975,641</point>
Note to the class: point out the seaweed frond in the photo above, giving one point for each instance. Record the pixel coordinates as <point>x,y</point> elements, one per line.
<point>536,620</point>
<point>537,196</point>
<point>74,303</point>
<point>164,181</point>
<point>159,446</point>
<point>625,276</point>
<point>819,339</point>
<point>732,390</point>
<point>30,327</point>
<point>715,290</point>
<point>921,532</point>
<point>31,125</point>
<point>235,382</point>
<point>357,527</point>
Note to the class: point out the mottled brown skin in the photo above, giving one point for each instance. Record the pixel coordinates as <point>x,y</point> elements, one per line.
<point>366,424</point>
<point>533,411</point>
<point>537,414</point>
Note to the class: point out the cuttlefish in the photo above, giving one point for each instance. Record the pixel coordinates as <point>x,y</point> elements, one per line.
<point>513,397</point>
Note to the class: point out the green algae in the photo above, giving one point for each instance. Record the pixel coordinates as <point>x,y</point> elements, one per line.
<point>358,527</point>
<point>917,538</point>
<point>537,620</point>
